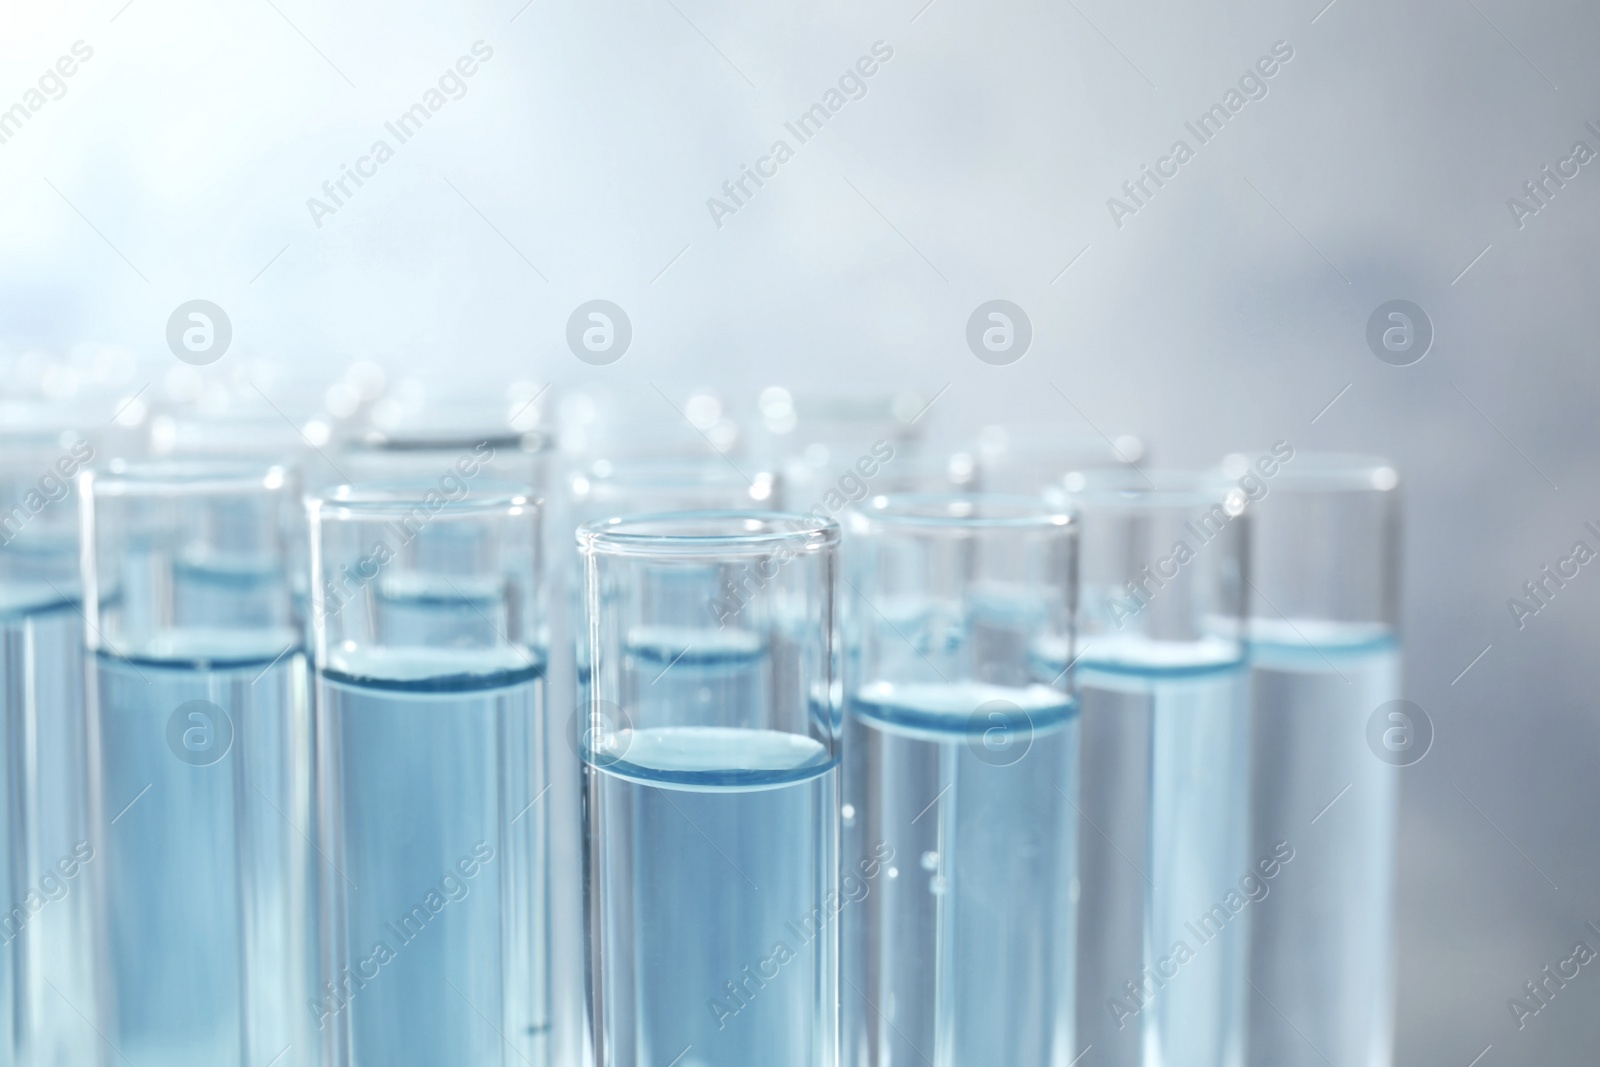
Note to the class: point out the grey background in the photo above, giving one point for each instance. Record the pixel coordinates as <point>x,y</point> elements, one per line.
<point>1227,313</point>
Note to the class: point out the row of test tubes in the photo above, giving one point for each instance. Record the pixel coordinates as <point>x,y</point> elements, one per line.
<point>457,747</point>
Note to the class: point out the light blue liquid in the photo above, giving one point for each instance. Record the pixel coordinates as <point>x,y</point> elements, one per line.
<point>1322,953</point>
<point>435,826</point>
<point>711,857</point>
<point>962,950</point>
<point>207,867</point>
<point>46,914</point>
<point>1165,807</point>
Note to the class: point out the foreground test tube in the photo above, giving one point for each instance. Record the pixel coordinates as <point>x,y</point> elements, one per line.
<point>46,917</point>
<point>1167,887</point>
<point>633,483</point>
<point>712,805</point>
<point>431,775</point>
<point>199,700</point>
<point>1325,663</point>
<point>961,775</point>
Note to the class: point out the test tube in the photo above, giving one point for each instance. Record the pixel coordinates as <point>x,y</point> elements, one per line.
<point>202,751</point>
<point>431,774</point>
<point>710,826</point>
<point>47,921</point>
<point>961,776</point>
<point>1330,734</point>
<point>1166,881</point>
<point>633,482</point>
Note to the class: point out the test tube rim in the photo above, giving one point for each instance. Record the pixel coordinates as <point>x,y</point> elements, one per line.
<point>1138,489</point>
<point>616,536</point>
<point>1045,440</point>
<point>1336,472</point>
<point>376,501</point>
<point>383,442</point>
<point>188,476</point>
<point>917,509</point>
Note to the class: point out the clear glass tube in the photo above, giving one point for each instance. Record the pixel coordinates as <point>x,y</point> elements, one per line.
<point>597,489</point>
<point>1167,886</point>
<point>961,750</point>
<point>202,755</point>
<point>709,758</point>
<point>47,925</point>
<point>1325,658</point>
<point>432,772</point>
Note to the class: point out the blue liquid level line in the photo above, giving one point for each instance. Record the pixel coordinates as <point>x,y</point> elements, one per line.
<point>439,953</point>
<point>669,756</point>
<point>712,860</point>
<point>969,933</point>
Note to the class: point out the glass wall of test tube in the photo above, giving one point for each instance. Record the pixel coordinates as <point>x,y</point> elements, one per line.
<point>1164,694</point>
<point>710,759</point>
<point>961,750</point>
<point>45,834</point>
<point>1329,725</point>
<point>432,764</point>
<point>202,744</point>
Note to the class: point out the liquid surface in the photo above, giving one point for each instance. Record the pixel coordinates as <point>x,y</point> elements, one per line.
<point>435,821</point>
<point>1334,903</point>
<point>960,831</point>
<point>712,860</point>
<point>711,756</point>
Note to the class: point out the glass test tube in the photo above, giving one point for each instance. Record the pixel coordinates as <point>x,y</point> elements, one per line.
<point>202,749</point>
<point>961,774</point>
<point>711,818</point>
<point>1165,878</point>
<point>1325,659</point>
<point>47,919</point>
<point>596,489</point>
<point>431,774</point>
